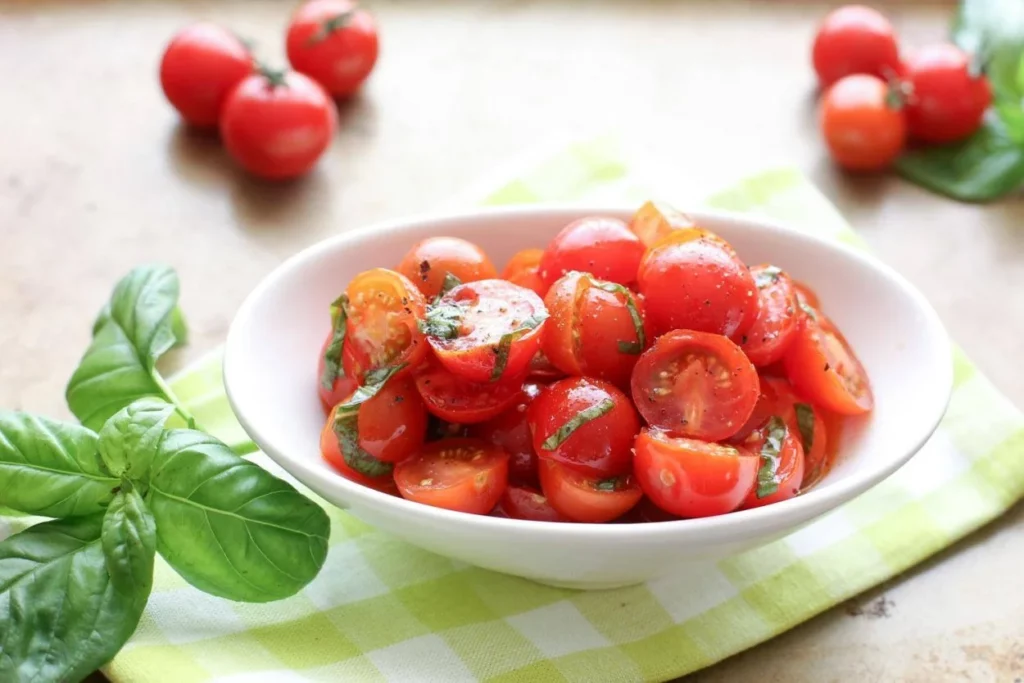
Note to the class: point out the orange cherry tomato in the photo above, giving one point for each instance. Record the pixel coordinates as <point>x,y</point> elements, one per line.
<point>583,498</point>
<point>863,128</point>
<point>430,261</point>
<point>465,475</point>
<point>523,269</point>
<point>655,220</point>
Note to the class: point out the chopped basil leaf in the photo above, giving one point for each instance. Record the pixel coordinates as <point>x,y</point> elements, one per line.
<point>805,422</point>
<point>443,321</point>
<point>450,282</point>
<point>633,348</point>
<point>768,276</point>
<point>373,382</point>
<point>767,484</point>
<point>332,354</point>
<point>347,430</point>
<point>609,484</point>
<point>581,418</point>
<point>504,346</point>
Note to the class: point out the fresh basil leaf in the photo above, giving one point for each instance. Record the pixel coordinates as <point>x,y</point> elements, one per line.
<point>228,526</point>
<point>128,538</point>
<point>51,468</point>
<point>333,368</point>
<point>985,166</point>
<point>771,453</point>
<point>805,423</point>
<point>610,484</point>
<point>374,381</point>
<point>994,31</point>
<point>767,276</point>
<point>346,429</point>
<point>135,329</point>
<point>442,321</point>
<point>504,347</point>
<point>581,418</point>
<point>130,439</point>
<point>64,615</point>
<point>449,283</point>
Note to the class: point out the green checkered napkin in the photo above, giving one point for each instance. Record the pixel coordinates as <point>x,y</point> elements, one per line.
<point>382,610</point>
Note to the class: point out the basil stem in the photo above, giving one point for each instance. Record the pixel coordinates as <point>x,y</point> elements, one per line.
<point>583,417</point>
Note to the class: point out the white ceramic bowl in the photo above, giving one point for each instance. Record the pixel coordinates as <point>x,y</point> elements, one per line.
<point>270,375</point>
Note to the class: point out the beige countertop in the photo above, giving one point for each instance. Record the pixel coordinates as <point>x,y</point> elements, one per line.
<point>96,176</point>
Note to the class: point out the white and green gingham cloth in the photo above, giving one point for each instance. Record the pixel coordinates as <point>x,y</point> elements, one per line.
<point>382,610</point>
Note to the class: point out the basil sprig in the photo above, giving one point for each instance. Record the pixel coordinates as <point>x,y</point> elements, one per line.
<point>581,418</point>
<point>771,451</point>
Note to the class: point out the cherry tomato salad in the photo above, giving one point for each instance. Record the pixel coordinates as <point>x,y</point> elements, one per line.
<point>628,372</point>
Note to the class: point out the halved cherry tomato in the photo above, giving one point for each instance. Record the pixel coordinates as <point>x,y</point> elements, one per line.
<point>487,330</point>
<point>340,389</point>
<point>583,498</point>
<point>693,280</point>
<point>429,262</point>
<point>586,424</point>
<point>330,450</point>
<point>822,366</point>
<point>810,424</point>
<point>655,220</point>
<point>542,370</point>
<point>779,449</point>
<point>461,401</point>
<point>511,432</point>
<point>777,318</point>
<point>596,328</point>
<point>695,384</point>
<point>393,424</point>
<point>604,247</point>
<point>334,43</point>
<point>520,502</point>
<point>466,475</point>
<point>693,478</point>
<point>523,269</point>
<point>384,310</point>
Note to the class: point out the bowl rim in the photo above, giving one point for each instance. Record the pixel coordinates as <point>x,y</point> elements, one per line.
<point>783,514</point>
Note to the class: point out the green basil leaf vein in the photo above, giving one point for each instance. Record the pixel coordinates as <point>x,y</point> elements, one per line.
<point>581,418</point>
<point>771,450</point>
<point>130,439</point>
<point>128,538</point>
<point>333,368</point>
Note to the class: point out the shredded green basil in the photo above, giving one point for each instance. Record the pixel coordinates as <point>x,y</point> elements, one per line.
<point>609,484</point>
<point>581,418</point>
<point>346,428</point>
<point>504,346</point>
<point>332,354</point>
<point>442,321</point>
<point>373,382</point>
<point>768,276</point>
<point>767,483</point>
<point>450,282</point>
<point>805,422</point>
<point>634,348</point>
<point>809,310</point>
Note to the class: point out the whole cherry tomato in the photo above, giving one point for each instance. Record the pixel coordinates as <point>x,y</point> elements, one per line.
<point>333,42</point>
<point>431,261</point>
<point>947,101</point>
<point>603,247</point>
<point>861,121</point>
<point>855,40</point>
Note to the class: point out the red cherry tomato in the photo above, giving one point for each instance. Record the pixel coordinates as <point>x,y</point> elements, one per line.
<point>586,424</point>
<point>487,330</point>
<point>777,317</point>
<point>596,328</point>
<point>334,43</point>
<point>806,295</point>
<point>693,478</point>
<point>465,475</point>
<point>778,446</point>
<point>330,450</point>
<point>429,262</point>
<point>655,220</point>
<point>695,384</point>
<point>693,280</point>
<point>520,502</point>
<point>855,40</point>
<point>523,269</point>
<point>201,65</point>
<point>340,388</point>
<point>277,125</point>
<point>511,432</point>
<point>582,498</point>
<point>461,401</point>
<point>542,370</point>
<point>947,101</point>
<point>604,247</point>
<point>384,311</point>
<point>863,128</point>
<point>822,366</point>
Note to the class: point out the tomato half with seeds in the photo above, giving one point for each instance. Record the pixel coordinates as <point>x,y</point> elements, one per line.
<point>465,475</point>
<point>583,498</point>
<point>822,366</point>
<point>695,384</point>
<point>511,432</point>
<point>781,470</point>
<point>603,246</point>
<point>585,424</point>
<point>460,401</point>
<point>485,331</point>
<point>596,328</point>
<point>693,280</point>
<point>655,220</point>
<point>521,502</point>
<point>777,319</point>
<point>384,311</point>
<point>693,478</point>
<point>523,269</point>
<point>330,450</point>
<point>429,262</point>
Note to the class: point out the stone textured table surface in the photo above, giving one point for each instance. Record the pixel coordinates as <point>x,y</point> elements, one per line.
<point>97,176</point>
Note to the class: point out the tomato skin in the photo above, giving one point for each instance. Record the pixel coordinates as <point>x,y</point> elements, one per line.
<point>693,478</point>
<point>201,66</point>
<point>393,424</point>
<point>855,40</point>
<point>330,450</point>
<point>576,495</point>
<point>343,58</point>
<point>806,295</point>
<point>695,384</point>
<point>523,269</point>
<point>777,318</point>
<point>790,472</point>
<point>511,431</point>
<point>460,401</point>
<point>277,132</point>
<point>465,475</point>
<point>429,261</point>
<point>343,384</point>
<point>655,220</point>
<point>521,502</point>
<point>946,102</point>
<point>487,310</point>
<point>821,365</point>
<point>589,325</point>
<point>693,280</point>
<point>861,130</point>
<point>604,247</point>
